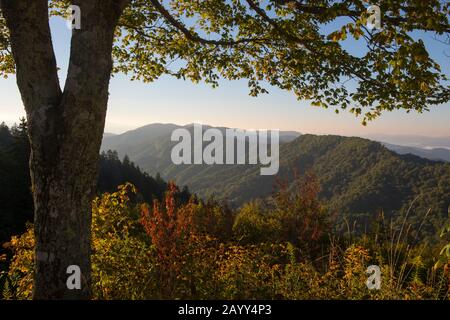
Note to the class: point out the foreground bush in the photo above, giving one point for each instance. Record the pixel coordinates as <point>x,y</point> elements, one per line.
<point>194,251</point>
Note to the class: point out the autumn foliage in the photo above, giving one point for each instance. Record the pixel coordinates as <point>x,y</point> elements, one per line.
<point>169,228</point>
<point>283,248</point>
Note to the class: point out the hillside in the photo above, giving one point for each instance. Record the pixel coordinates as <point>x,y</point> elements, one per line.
<point>358,176</point>
<point>150,147</point>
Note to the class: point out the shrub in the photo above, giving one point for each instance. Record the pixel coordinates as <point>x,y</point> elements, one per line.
<point>175,251</point>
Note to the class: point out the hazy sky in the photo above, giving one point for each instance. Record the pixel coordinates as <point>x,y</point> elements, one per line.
<point>133,104</point>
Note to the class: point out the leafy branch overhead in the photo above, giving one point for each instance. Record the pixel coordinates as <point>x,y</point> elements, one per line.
<point>282,43</point>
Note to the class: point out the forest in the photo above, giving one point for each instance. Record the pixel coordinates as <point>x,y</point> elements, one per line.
<point>154,240</point>
<point>359,178</point>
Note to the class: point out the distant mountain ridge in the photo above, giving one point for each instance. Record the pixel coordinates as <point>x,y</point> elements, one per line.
<point>415,145</point>
<point>415,141</point>
<point>437,154</point>
<point>150,146</point>
<point>359,177</point>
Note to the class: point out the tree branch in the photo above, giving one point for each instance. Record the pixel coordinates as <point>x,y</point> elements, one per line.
<point>340,10</point>
<point>192,36</point>
<point>274,24</point>
<point>37,77</point>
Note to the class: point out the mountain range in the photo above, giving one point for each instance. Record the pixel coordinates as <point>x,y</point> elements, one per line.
<point>359,177</point>
<point>438,154</point>
<point>432,148</point>
<point>421,142</point>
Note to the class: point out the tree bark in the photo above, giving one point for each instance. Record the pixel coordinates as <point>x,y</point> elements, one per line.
<point>65,131</point>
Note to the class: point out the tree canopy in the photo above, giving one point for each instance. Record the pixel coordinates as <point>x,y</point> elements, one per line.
<point>283,43</point>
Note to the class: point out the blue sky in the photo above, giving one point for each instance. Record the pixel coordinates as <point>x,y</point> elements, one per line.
<point>133,104</point>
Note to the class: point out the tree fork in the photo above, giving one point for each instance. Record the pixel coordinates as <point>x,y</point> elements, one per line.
<point>65,131</point>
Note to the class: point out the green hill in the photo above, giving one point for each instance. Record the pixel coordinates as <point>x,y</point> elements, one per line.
<point>359,177</point>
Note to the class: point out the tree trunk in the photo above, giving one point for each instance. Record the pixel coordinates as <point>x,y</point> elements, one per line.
<point>65,131</point>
